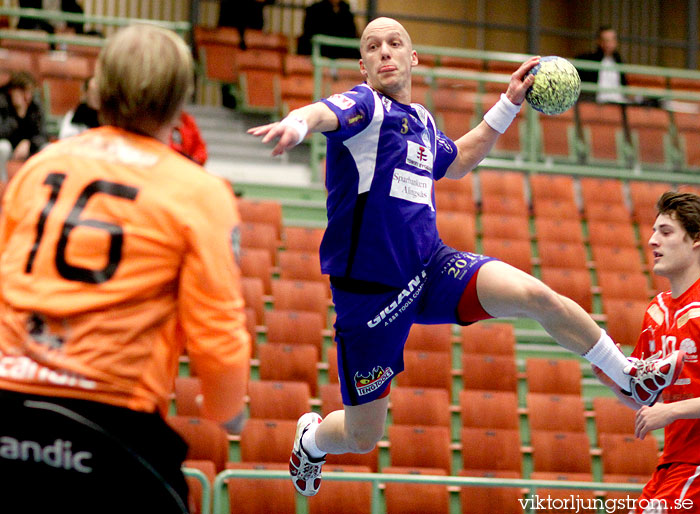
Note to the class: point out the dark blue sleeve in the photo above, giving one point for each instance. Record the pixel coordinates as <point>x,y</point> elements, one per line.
<point>354,110</point>
<point>445,154</point>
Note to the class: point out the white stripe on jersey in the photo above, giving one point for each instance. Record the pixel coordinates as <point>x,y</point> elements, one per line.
<point>363,147</point>
<point>689,482</point>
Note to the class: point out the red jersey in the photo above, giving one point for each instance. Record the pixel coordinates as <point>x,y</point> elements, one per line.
<point>672,324</point>
<point>116,254</point>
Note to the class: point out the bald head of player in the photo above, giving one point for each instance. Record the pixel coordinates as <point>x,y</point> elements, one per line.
<point>387,57</point>
<point>144,76</point>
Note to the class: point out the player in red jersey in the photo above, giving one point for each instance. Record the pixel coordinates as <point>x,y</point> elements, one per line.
<point>117,253</point>
<point>672,322</point>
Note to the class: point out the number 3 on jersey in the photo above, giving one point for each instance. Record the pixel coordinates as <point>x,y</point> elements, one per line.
<point>116,234</point>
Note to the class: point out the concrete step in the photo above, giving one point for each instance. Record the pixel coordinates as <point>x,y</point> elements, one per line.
<point>259,172</point>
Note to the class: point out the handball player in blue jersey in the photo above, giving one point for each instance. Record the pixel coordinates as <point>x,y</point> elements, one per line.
<point>389,268</point>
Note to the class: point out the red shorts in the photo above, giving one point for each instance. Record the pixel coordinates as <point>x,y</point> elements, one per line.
<point>675,488</point>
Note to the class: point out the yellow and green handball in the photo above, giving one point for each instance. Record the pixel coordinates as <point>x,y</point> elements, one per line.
<point>557,85</point>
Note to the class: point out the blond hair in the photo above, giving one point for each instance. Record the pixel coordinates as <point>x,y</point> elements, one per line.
<point>144,76</point>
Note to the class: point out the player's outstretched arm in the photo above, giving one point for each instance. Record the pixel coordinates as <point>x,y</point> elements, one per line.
<point>662,414</point>
<point>292,130</point>
<point>477,143</point>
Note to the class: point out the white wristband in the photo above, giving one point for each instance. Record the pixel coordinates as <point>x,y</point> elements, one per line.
<point>501,115</point>
<point>297,124</point>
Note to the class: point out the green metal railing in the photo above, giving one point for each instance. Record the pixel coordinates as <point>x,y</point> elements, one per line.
<point>530,160</point>
<point>206,487</point>
<point>181,27</point>
<point>377,479</point>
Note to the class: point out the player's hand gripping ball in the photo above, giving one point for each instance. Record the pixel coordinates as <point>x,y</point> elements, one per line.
<point>556,87</point>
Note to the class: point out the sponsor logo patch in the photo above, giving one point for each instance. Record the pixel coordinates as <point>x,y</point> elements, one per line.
<point>366,384</point>
<point>419,156</point>
<point>341,101</point>
<point>402,301</point>
<point>412,187</point>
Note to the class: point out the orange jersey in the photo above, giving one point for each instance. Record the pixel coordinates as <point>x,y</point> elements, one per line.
<point>671,324</point>
<point>116,254</point>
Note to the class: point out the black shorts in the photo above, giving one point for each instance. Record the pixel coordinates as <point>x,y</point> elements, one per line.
<point>77,456</point>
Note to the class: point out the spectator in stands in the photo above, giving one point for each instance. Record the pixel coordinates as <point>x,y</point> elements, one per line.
<point>331,18</point>
<point>22,130</point>
<point>187,139</point>
<point>68,6</point>
<point>84,116</point>
<point>669,325</point>
<point>389,268</point>
<point>242,14</point>
<point>117,254</point>
<point>607,54</point>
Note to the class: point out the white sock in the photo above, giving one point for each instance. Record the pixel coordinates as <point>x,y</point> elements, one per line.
<point>308,442</point>
<point>608,357</point>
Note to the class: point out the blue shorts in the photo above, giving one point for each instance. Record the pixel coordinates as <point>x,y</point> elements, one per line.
<point>371,328</point>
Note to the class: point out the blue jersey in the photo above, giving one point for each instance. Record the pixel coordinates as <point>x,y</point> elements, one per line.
<point>381,165</point>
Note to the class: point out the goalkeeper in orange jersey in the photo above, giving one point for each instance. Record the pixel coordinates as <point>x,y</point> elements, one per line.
<point>117,254</point>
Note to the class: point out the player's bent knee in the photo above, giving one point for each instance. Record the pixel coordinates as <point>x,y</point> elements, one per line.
<point>540,298</point>
<point>363,441</point>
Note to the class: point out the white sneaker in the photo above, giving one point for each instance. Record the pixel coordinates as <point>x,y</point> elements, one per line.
<point>649,377</point>
<point>305,471</point>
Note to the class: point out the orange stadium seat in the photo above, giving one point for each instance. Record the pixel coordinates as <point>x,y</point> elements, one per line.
<point>420,406</point>
<point>218,48</point>
<point>489,449</point>
<point>480,500</point>
<point>452,201</point>
<point>489,409</point>
<point>561,413</point>
<point>420,446</point>
<point>278,400</point>
<point>369,460</point>
<point>331,399</point>
<point>603,125</point>
<point>253,290</point>
<point>63,77</point>
<point>295,362</point>
<point>257,263</point>
<point>612,417</point>
<point>489,372</point>
<point>457,229</point>
<point>610,233</point>
<point>620,285</point>
<point>436,338</point>
<point>504,205</point>
<point>625,455</point>
<point>601,211</point>
<point>206,439</point>
<point>342,497</point>
<point>502,183</point>
<point>559,209</point>
<point>267,440</point>
<point>689,132</point>
<point>489,338</point>
<point>624,319</point>
<point>561,452</point>
<point>16,60</point>
<point>650,128</point>
<point>612,258</point>
<point>303,239</point>
<point>505,227</point>
<point>562,255</point>
<point>553,376</point>
<point>426,369</point>
<point>463,186</point>
<point>515,252</point>
<point>559,230</point>
<point>409,498</point>
<point>295,91</point>
<point>574,283</point>
<point>260,235</point>
<point>297,265</point>
<point>294,327</point>
<point>546,186</point>
<point>300,295</point>
<point>259,74</point>
<point>606,190</point>
<point>257,495</point>
<point>643,193</point>
<point>455,110</point>
<point>557,132</point>
<point>261,211</point>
